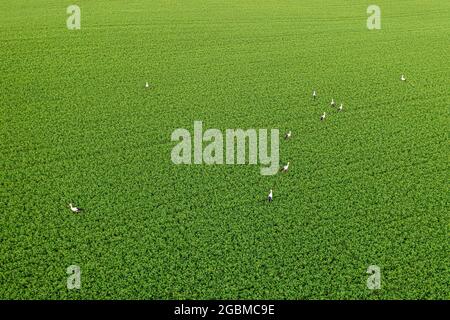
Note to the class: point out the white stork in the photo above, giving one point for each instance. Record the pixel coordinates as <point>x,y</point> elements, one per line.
<point>314,94</point>
<point>270,197</point>
<point>147,85</point>
<point>285,168</point>
<point>74,209</point>
<point>333,103</point>
<point>288,135</point>
<point>341,107</point>
<point>323,116</point>
<point>403,78</point>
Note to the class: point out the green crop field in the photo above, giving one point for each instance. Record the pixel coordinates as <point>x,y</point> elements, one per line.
<point>367,186</point>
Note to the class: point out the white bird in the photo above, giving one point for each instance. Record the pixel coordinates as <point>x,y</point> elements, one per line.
<point>147,85</point>
<point>341,107</point>
<point>333,103</point>
<point>74,209</point>
<point>314,94</point>
<point>270,197</point>
<point>403,78</point>
<point>323,116</point>
<point>285,168</point>
<point>288,135</point>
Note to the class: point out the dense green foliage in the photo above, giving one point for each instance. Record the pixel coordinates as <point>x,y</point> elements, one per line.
<point>366,186</point>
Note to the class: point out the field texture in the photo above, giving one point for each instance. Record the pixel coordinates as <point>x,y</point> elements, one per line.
<point>368,186</point>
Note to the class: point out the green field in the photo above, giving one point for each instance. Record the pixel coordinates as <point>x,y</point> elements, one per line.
<point>367,186</point>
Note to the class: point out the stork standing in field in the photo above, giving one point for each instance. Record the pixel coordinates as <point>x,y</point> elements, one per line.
<point>285,168</point>
<point>287,136</point>
<point>147,85</point>
<point>333,103</point>
<point>323,116</point>
<point>74,209</point>
<point>314,94</point>
<point>270,197</point>
<point>341,107</point>
<point>403,78</point>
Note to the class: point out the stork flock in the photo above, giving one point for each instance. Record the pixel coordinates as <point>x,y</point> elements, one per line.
<point>322,118</point>
<point>287,136</point>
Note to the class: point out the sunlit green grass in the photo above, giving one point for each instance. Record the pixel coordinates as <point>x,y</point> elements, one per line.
<point>368,186</point>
